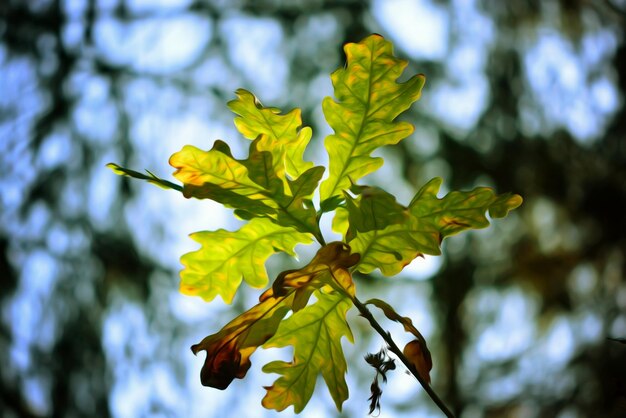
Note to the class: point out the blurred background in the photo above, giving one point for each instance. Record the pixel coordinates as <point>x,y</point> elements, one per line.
<point>524,96</point>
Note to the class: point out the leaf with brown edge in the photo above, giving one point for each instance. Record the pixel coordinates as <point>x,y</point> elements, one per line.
<point>229,350</point>
<point>460,210</point>
<point>416,351</point>
<point>217,167</point>
<point>330,266</point>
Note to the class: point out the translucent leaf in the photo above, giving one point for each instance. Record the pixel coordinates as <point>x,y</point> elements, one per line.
<point>373,209</point>
<point>368,101</point>
<point>204,172</point>
<point>315,333</point>
<point>229,350</point>
<point>251,186</point>
<point>430,220</point>
<point>282,135</point>
<point>392,248</point>
<point>227,257</point>
<point>340,221</point>
<point>296,208</point>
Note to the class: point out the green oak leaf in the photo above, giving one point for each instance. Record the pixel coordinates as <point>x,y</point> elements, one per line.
<point>293,208</point>
<point>227,257</point>
<point>282,135</point>
<point>363,118</point>
<point>458,211</point>
<point>315,332</point>
<point>430,220</point>
<point>392,248</point>
<point>297,209</point>
<point>251,186</point>
<point>340,223</point>
<point>373,209</point>
<point>217,167</point>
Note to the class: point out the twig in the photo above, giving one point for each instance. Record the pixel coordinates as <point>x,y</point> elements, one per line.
<point>365,313</point>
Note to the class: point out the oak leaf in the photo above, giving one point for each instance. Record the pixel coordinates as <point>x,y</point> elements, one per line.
<point>282,135</point>
<point>315,333</point>
<point>430,219</point>
<point>251,186</point>
<point>229,350</point>
<point>227,257</point>
<point>368,101</point>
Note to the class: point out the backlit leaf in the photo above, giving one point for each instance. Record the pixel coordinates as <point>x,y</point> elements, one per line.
<point>392,248</point>
<point>229,350</point>
<point>227,257</point>
<point>459,211</point>
<point>296,208</point>
<point>216,168</point>
<point>251,186</point>
<point>315,333</point>
<point>368,101</point>
<point>430,220</point>
<point>282,135</point>
<point>373,209</point>
<point>273,189</point>
<point>340,222</point>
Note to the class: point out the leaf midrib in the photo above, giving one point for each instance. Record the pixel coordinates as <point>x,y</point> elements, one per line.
<point>247,245</point>
<point>354,144</point>
<point>307,362</point>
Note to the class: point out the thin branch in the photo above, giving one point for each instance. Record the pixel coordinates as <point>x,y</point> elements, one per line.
<point>365,313</point>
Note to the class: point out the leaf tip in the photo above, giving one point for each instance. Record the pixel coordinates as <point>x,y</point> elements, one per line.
<point>502,208</point>
<point>117,169</point>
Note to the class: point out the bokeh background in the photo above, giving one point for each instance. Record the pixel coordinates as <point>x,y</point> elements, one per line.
<point>523,95</point>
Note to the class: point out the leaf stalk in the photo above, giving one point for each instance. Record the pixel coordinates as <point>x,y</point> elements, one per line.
<point>367,314</point>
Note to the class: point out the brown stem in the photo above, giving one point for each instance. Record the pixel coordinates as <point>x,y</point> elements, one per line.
<point>365,313</point>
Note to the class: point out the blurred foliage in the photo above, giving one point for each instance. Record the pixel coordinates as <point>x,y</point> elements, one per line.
<point>526,96</point>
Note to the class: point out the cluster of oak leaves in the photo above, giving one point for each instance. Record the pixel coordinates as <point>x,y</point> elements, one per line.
<point>273,189</point>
